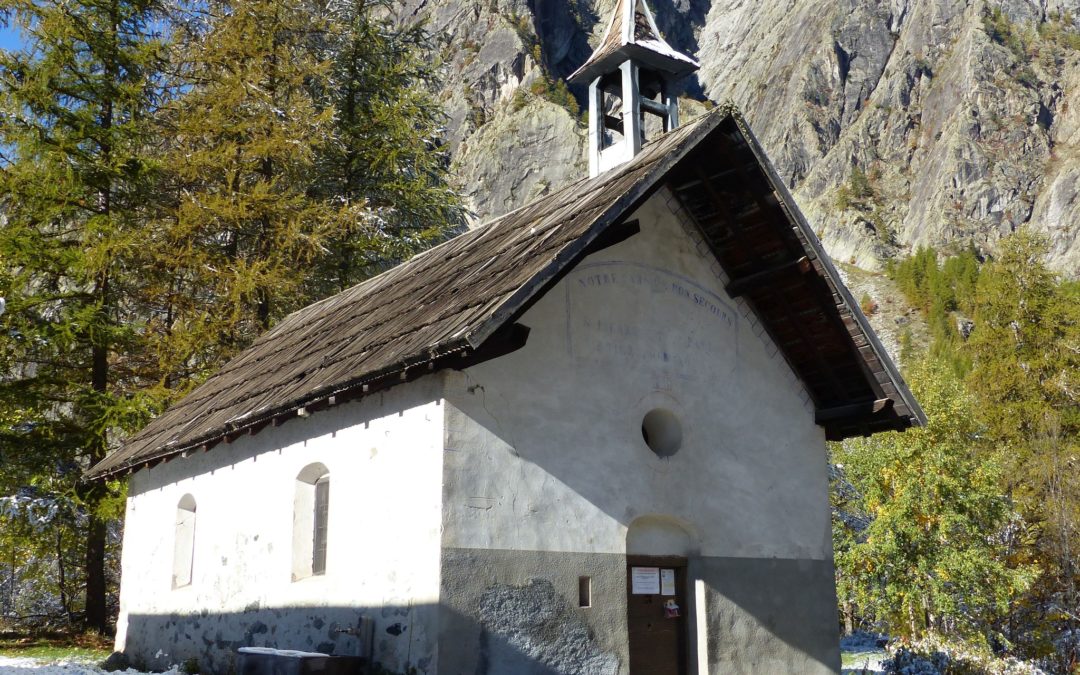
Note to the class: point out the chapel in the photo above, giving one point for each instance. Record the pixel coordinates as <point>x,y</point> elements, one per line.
<point>585,437</point>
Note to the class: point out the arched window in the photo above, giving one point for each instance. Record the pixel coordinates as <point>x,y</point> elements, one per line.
<point>311,514</point>
<point>184,542</point>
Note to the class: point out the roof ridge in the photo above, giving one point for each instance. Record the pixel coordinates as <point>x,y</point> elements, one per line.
<point>479,230</point>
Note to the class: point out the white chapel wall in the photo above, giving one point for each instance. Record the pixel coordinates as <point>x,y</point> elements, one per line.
<point>548,479</point>
<point>383,455</point>
<point>642,325</point>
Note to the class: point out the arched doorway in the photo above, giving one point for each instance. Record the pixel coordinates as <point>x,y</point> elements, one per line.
<point>657,549</point>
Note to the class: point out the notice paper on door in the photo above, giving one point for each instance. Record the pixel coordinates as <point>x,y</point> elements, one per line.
<point>644,580</point>
<point>667,582</point>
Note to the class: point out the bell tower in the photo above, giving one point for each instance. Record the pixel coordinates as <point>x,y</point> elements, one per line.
<point>631,74</point>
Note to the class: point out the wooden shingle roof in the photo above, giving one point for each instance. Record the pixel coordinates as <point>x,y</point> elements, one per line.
<point>456,303</point>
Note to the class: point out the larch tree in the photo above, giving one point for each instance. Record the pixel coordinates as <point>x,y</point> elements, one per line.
<point>1025,352</point>
<point>75,101</point>
<point>245,136</point>
<point>918,514</point>
<point>385,158</point>
<point>303,158</point>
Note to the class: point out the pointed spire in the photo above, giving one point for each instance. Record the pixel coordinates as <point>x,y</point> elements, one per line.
<point>633,33</point>
<point>631,74</point>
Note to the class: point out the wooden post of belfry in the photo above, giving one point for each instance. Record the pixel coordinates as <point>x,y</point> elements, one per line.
<point>671,102</point>
<point>596,125</point>
<point>631,110</point>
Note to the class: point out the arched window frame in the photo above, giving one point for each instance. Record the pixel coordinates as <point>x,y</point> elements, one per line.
<point>319,530</point>
<point>311,516</point>
<point>184,542</point>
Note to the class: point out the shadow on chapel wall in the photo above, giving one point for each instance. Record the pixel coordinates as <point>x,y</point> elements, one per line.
<point>402,644</point>
<point>750,596</point>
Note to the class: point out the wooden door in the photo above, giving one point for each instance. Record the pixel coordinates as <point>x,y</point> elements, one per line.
<point>657,634</point>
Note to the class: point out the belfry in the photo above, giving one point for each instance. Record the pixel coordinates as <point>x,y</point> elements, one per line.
<point>632,73</point>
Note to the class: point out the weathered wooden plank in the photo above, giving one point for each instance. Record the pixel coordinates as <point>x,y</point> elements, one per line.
<point>744,284</point>
<point>858,409</point>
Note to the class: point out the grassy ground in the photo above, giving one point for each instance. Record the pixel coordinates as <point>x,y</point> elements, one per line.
<point>82,648</point>
<point>860,654</point>
<point>861,662</point>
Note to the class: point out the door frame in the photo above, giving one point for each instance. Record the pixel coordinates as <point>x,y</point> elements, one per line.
<point>682,586</point>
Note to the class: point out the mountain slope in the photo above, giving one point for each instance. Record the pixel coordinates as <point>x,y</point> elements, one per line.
<point>898,123</point>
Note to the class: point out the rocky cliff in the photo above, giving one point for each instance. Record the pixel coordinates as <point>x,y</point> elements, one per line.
<point>897,123</point>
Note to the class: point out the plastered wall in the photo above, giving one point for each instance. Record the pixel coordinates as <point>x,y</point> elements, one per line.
<point>557,424</point>
<point>384,455</point>
<point>545,455</point>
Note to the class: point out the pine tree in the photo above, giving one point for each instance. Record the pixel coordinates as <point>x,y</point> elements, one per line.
<point>385,159</point>
<point>74,179</point>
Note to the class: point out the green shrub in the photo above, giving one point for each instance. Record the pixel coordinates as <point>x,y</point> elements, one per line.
<point>867,304</point>
<point>857,192</point>
<point>520,100</point>
<point>555,91</point>
<point>1058,29</point>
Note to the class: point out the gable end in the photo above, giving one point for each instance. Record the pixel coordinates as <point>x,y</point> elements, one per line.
<point>776,264</point>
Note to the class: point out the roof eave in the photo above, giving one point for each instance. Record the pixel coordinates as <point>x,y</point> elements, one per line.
<point>457,355</point>
<point>275,415</point>
<point>917,417</point>
<point>597,65</point>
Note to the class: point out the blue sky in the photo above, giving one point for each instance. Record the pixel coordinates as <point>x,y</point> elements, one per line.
<point>9,37</point>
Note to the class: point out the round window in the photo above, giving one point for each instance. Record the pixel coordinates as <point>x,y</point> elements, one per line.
<point>662,432</point>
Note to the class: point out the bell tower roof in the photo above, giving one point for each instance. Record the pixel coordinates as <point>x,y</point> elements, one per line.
<point>632,34</point>
<point>632,79</point>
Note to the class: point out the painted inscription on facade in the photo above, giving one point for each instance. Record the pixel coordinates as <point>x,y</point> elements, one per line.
<point>649,318</point>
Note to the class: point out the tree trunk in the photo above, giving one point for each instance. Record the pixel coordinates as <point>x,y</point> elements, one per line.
<point>97,618</point>
<point>61,574</point>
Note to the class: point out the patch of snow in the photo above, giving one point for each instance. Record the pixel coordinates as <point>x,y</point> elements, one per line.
<point>661,47</point>
<point>863,641</point>
<point>29,666</point>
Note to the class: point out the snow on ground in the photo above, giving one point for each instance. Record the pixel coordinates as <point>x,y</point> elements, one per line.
<point>26,666</point>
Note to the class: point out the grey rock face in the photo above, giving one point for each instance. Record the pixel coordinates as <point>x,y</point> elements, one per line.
<point>510,145</point>
<point>953,129</point>
<point>547,151</point>
<point>898,123</point>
